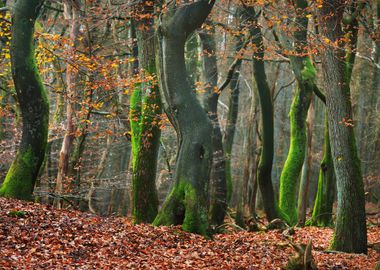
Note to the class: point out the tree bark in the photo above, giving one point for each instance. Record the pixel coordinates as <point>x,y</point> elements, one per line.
<point>264,170</point>
<point>71,14</point>
<point>187,203</point>
<point>21,177</point>
<point>145,119</point>
<point>218,188</point>
<point>350,231</point>
<point>305,75</point>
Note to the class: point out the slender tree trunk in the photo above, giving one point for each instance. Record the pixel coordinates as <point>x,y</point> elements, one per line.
<point>264,170</point>
<point>233,109</point>
<point>71,14</point>
<point>218,204</point>
<point>303,192</point>
<point>350,231</point>
<point>187,203</point>
<point>21,177</point>
<point>145,125</point>
<point>323,204</point>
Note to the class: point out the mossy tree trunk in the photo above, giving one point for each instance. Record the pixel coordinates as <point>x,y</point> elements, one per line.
<point>21,177</point>
<point>264,170</point>
<point>305,75</point>
<point>323,204</point>
<point>350,231</point>
<point>145,119</point>
<point>187,203</point>
<point>218,185</point>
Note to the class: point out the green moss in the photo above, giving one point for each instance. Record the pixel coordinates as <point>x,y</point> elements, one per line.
<point>308,73</point>
<point>183,207</point>
<point>228,179</point>
<point>296,156</point>
<point>19,182</point>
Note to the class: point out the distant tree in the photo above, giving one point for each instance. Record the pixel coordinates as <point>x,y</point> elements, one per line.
<point>21,177</point>
<point>264,170</point>
<point>187,203</point>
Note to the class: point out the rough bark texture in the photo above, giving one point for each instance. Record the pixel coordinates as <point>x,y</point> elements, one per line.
<point>187,203</point>
<point>305,75</point>
<point>146,132</point>
<point>218,205</point>
<point>21,177</point>
<point>264,170</point>
<point>350,230</point>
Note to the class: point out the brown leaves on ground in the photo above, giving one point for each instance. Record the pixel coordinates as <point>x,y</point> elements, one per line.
<point>45,238</point>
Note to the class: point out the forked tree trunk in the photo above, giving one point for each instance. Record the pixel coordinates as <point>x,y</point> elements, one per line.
<point>187,203</point>
<point>21,177</point>
<point>350,231</point>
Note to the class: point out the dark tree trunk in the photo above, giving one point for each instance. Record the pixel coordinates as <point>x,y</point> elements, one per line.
<point>187,203</point>
<point>350,231</point>
<point>218,204</point>
<point>21,177</point>
<point>264,171</point>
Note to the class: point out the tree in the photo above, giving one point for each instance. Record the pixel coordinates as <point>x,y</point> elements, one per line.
<point>145,118</point>
<point>305,75</point>
<point>264,169</point>
<point>350,230</point>
<point>187,203</point>
<point>219,191</point>
<point>21,177</point>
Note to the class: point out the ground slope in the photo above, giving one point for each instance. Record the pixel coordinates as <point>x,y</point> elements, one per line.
<point>42,237</point>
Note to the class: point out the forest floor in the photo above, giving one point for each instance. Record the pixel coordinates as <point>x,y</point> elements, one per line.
<point>35,236</point>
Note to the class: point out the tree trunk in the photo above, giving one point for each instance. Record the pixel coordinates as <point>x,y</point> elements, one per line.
<point>305,76</point>
<point>145,119</point>
<point>264,171</point>
<point>323,204</point>
<point>350,231</point>
<point>303,191</point>
<point>187,203</point>
<point>71,14</point>
<point>21,177</point>
<point>218,188</point>
<point>233,109</point>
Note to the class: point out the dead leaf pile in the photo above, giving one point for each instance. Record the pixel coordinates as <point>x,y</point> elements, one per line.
<point>41,237</point>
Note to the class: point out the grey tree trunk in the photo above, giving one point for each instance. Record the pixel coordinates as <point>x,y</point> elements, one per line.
<point>187,203</point>
<point>350,231</point>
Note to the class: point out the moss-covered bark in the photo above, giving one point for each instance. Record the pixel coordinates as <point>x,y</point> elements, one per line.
<point>21,177</point>
<point>187,203</point>
<point>305,75</point>
<point>145,118</point>
<point>350,233</point>
<point>323,205</point>
<point>264,170</point>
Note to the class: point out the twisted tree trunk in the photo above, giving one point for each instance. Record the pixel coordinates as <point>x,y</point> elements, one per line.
<point>21,177</point>
<point>187,203</point>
